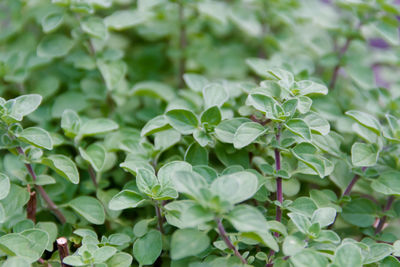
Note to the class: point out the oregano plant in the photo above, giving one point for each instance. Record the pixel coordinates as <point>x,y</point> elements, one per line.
<point>199,133</point>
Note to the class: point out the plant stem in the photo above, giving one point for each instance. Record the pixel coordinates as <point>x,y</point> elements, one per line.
<point>159,217</point>
<point>227,241</point>
<point>62,246</point>
<point>382,221</point>
<point>279,194</point>
<point>352,183</point>
<point>31,206</point>
<point>93,176</point>
<point>52,206</point>
<point>341,54</point>
<point>182,44</point>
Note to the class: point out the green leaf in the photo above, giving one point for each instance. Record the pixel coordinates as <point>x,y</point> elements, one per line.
<point>89,208</point>
<point>64,166</point>
<point>124,19</point>
<point>188,242</point>
<point>36,136</point>
<point>112,72</point>
<point>54,46</point>
<point>154,89</point>
<point>184,121</point>
<point>309,87</point>
<point>235,187</point>
<point>324,216</point>
<point>246,218</point>
<point>265,104</point>
<point>214,95</point>
<point>377,252</point>
<point>125,199</point>
<point>103,253</point>
<point>70,123</point>
<point>51,229</point>
<point>187,214</point>
<point>247,133</point>
<point>95,154</point>
<point>365,119</point>
<point>52,21</point>
<point>4,185</point>
<point>305,152</point>
<point>360,212</point>
<point>94,26</point>
<point>364,155</point>
<point>388,183</point>
<point>39,239</point>
<point>308,257</point>
<point>202,137</point>
<point>211,116</point>
<point>292,245</point>
<point>120,259</point>
<point>148,248</point>
<point>157,124</point>
<point>196,155</point>
<point>301,221</point>
<point>97,126</point>
<point>145,181</point>
<point>225,131</point>
<point>189,183</point>
<point>15,262</point>
<point>299,127</point>
<point>195,82</point>
<point>24,105</point>
<point>317,123</point>
<point>348,255</point>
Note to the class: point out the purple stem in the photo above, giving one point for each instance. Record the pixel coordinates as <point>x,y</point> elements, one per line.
<point>227,241</point>
<point>352,183</point>
<point>92,174</point>
<point>384,218</point>
<point>159,217</point>
<point>52,206</point>
<point>341,53</point>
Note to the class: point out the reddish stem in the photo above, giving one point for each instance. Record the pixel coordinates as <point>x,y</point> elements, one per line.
<point>352,183</point>
<point>52,206</point>
<point>228,242</point>
<point>62,246</point>
<point>382,221</point>
<point>93,176</point>
<point>159,217</point>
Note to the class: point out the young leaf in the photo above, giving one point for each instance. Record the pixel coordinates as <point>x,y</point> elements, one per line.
<point>365,119</point>
<point>24,105</point>
<point>235,187</point>
<point>95,154</point>
<point>145,181</point>
<point>97,126</point>
<point>4,185</point>
<point>36,136</point>
<point>348,255</point>
<point>53,46</point>
<point>225,131</point>
<point>299,127</point>
<point>214,95</point>
<point>211,116</point>
<point>148,248</point>
<point>247,133</point>
<point>246,218</point>
<point>126,199</point>
<point>324,216</point>
<point>388,183</point>
<point>188,242</point>
<point>95,27</point>
<point>195,82</point>
<point>364,155</point>
<point>89,208</point>
<point>360,212</point>
<point>184,121</point>
<point>64,166</point>
<point>70,123</point>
